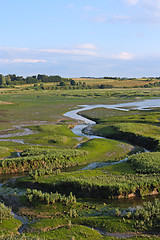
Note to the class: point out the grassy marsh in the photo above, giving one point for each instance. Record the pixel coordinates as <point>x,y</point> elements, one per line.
<point>43,112</point>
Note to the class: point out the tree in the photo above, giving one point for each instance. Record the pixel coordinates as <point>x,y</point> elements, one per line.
<point>42,77</point>
<point>8,80</point>
<point>54,79</point>
<point>72,82</point>
<point>2,80</point>
<point>62,84</point>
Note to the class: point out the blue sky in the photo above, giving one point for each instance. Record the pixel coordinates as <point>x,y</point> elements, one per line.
<point>80,38</point>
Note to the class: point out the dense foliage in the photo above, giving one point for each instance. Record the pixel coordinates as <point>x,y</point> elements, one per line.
<point>35,196</point>
<point>5,212</point>
<point>35,158</point>
<point>148,162</point>
<point>12,79</point>
<point>148,216</point>
<point>97,184</point>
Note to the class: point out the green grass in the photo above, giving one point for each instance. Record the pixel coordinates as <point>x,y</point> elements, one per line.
<point>138,127</point>
<point>9,226</point>
<point>60,136</point>
<point>146,130</point>
<point>108,224</point>
<point>4,151</point>
<point>144,135</point>
<point>87,234</point>
<point>49,106</point>
<point>105,150</point>
<point>52,135</point>
<point>77,231</point>
<point>121,168</point>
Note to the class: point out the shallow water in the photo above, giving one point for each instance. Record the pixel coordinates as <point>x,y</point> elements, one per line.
<point>141,105</point>
<point>22,132</point>
<point>102,164</point>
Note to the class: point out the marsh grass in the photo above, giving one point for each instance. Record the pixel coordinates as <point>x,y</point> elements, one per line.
<point>9,226</point>
<point>98,184</point>
<point>141,127</point>
<point>4,151</point>
<point>105,150</point>
<point>121,168</point>
<point>148,162</point>
<point>58,135</point>
<point>32,107</point>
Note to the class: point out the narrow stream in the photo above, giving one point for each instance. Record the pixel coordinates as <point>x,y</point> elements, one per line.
<point>7,193</point>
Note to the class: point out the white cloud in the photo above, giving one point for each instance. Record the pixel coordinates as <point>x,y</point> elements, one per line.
<point>154,4</point>
<point>123,56</point>
<point>14,49</point>
<point>70,51</point>
<point>132,2</point>
<point>82,49</point>
<point>151,3</point>
<point>4,60</point>
<point>87,46</point>
<point>19,60</point>
<point>27,60</point>
<point>19,55</point>
<point>148,11</point>
<point>110,18</point>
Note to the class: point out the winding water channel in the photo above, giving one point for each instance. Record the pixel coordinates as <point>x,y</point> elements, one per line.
<point>139,105</point>
<point>78,129</point>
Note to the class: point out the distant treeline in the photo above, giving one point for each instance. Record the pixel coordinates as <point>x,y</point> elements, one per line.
<point>11,80</point>
<point>39,82</point>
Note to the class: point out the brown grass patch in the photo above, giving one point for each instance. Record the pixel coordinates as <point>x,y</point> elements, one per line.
<point>1,102</point>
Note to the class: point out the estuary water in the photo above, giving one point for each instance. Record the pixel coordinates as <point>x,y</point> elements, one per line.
<point>147,104</point>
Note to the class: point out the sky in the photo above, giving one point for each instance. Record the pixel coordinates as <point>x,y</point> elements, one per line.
<point>91,38</point>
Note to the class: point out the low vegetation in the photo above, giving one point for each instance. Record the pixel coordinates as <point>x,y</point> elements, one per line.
<point>146,217</point>
<point>5,212</point>
<point>148,162</point>
<point>8,225</point>
<point>35,196</point>
<point>98,184</point>
<point>46,160</point>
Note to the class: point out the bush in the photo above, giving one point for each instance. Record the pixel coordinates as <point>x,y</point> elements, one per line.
<point>148,162</point>
<point>5,212</point>
<point>36,196</point>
